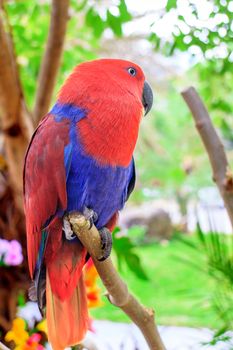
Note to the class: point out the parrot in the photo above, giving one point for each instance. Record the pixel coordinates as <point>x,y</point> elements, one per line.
<point>80,159</point>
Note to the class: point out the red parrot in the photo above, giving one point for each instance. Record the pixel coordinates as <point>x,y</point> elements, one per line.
<point>80,158</point>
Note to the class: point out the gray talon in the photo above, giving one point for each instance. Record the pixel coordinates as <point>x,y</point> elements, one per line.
<point>90,215</point>
<point>67,229</point>
<point>106,243</point>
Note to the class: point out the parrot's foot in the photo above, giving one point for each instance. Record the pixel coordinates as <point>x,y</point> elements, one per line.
<point>90,215</point>
<point>67,229</point>
<point>106,243</point>
<point>32,293</point>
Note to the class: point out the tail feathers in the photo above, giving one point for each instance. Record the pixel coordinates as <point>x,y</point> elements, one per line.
<point>65,267</point>
<point>67,320</point>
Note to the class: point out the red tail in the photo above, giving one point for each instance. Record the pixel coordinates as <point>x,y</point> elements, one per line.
<point>67,320</point>
<point>66,301</point>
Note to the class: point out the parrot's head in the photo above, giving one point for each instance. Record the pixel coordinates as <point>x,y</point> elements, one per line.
<point>115,96</point>
<point>107,79</point>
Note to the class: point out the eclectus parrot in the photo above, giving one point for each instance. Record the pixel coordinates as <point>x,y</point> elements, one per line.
<point>80,158</point>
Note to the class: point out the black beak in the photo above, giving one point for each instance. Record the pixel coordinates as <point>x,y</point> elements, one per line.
<point>147,98</point>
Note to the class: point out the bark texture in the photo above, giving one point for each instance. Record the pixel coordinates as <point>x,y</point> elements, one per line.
<point>222,174</point>
<point>52,58</point>
<point>16,124</point>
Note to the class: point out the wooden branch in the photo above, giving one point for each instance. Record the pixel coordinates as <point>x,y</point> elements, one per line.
<point>15,123</point>
<point>118,293</point>
<point>3,347</point>
<point>214,147</point>
<point>52,58</point>
<point>10,90</point>
<point>5,324</point>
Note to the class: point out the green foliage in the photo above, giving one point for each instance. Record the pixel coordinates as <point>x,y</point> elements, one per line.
<point>124,249</point>
<point>30,24</point>
<point>188,280</point>
<point>210,42</point>
<point>108,20</point>
<point>179,293</point>
<point>94,20</point>
<point>216,262</point>
<point>114,24</point>
<point>219,258</point>
<point>167,145</point>
<point>190,29</point>
<point>21,300</point>
<point>219,336</point>
<point>170,5</point>
<point>137,234</point>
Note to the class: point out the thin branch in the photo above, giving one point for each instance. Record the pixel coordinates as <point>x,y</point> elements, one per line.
<point>15,118</point>
<point>52,58</point>
<point>16,123</point>
<point>3,347</point>
<point>10,89</point>
<point>214,147</point>
<point>118,293</point>
<point>4,323</point>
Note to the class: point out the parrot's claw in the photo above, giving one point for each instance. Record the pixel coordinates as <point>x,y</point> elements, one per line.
<point>67,229</point>
<point>106,243</point>
<point>90,215</point>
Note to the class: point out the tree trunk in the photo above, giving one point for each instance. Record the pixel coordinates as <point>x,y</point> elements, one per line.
<point>17,126</point>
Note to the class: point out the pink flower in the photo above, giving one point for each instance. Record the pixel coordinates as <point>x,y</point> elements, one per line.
<point>33,343</point>
<point>14,255</point>
<point>34,338</point>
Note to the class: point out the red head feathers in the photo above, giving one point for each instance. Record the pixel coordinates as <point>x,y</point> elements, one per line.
<point>113,92</point>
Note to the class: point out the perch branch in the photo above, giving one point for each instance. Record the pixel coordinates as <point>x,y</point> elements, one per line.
<point>52,58</point>
<point>214,147</point>
<point>118,293</point>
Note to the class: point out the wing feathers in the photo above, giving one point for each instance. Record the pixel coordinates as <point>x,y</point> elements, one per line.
<point>44,180</point>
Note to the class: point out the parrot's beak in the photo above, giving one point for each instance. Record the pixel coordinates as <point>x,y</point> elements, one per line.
<point>147,97</point>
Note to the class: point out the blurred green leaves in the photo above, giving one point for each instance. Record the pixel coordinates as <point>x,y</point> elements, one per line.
<point>94,21</point>
<point>99,23</point>
<point>30,24</point>
<point>114,24</point>
<point>124,249</point>
<point>170,5</point>
<point>206,35</point>
<point>191,30</point>
<point>215,260</point>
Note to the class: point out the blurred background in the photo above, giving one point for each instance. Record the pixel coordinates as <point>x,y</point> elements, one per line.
<point>174,243</point>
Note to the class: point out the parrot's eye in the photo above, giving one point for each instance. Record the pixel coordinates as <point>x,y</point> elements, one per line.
<point>132,71</point>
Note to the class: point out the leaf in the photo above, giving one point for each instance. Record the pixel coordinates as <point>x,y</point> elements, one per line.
<point>114,23</point>
<point>123,244</point>
<point>21,300</point>
<point>124,249</point>
<point>94,21</point>
<point>226,130</point>
<point>170,5</point>
<point>79,6</point>
<point>201,235</point>
<point>124,13</point>
<point>134,263</point>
